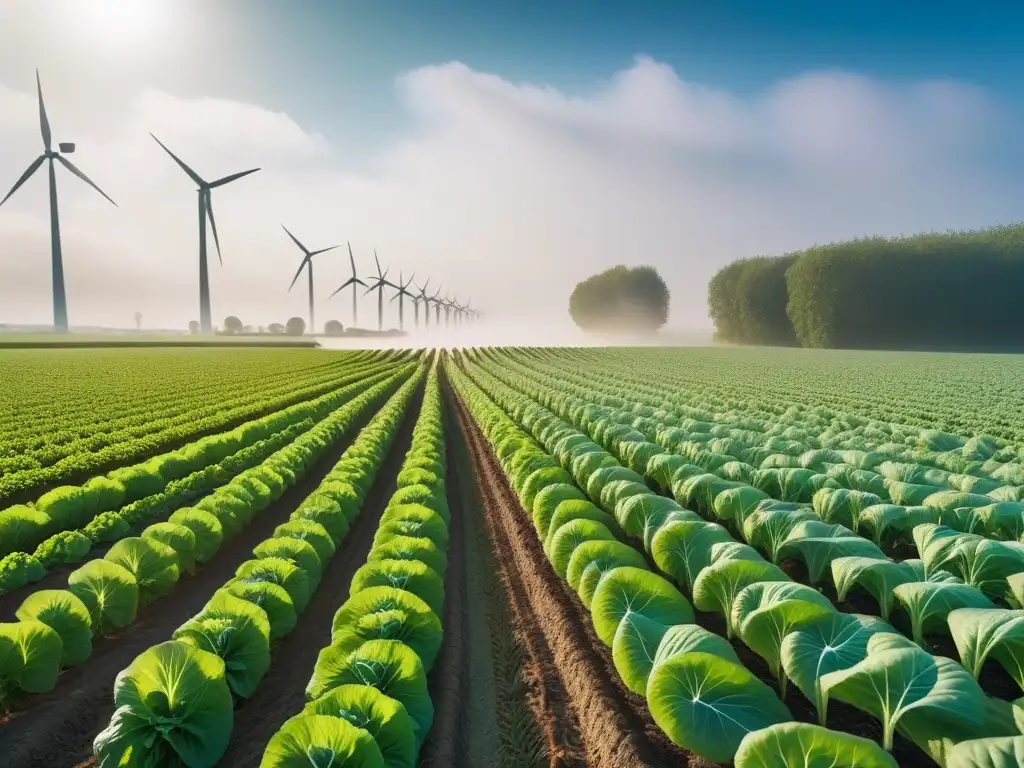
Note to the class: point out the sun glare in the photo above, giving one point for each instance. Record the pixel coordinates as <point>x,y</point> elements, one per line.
<point>117,22</point>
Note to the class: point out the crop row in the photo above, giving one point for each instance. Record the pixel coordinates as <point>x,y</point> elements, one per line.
<point>56,627</point>
<point>32,440</point>
<point>792,626</point>
<point>254,403</point>
<point>96,387</point>
<point>102,501</point>
<point>956,570</point>
<point>936,392</point>
<point>800,437</point>
<point>175,702</point>
<point>368,698</point>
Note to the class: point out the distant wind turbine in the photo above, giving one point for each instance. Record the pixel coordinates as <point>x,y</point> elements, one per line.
<point>378,286</point>
<point>353,281</point>
<point>422,297</point>
<point>437,305</point>
<point>448,304</point>
<point>401,293</point>
<point>307,261</point>
<point>60,303</point>
<point>205,210</point>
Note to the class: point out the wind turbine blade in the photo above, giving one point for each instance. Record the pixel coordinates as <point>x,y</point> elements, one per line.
<point>343,287</point>
<point>44,123</point>
<point>232,177</point>
<point>378,262</point>
<point>410,281</point>
<point>324,250</point>
<point>296,241</point>
<point>369,290</point>
<point>24,177</point>
<point>191,174</point>
<point>71,167</point>
<point>299,272</point>
<point>351,258</point>
<point>213,225</point>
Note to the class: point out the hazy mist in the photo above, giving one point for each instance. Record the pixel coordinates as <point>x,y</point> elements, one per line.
<point>505,192</point>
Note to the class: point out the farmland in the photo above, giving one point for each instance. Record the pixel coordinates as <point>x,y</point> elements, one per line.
<point>511,557</point>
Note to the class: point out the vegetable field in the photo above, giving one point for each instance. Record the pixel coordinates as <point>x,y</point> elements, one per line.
<point>511,557</point>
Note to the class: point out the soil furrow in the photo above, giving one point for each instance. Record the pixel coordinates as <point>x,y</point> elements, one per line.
<point>281,694</point>
<point>57,729</point>
<point>592,717</point>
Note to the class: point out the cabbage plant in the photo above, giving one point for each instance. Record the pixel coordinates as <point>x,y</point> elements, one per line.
<point>785,745</point>
<point>172,707</point>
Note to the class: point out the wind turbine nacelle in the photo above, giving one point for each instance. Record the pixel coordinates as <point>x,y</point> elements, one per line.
<point>67,147</point>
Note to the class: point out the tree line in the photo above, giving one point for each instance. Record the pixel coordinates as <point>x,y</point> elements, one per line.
<point>954,290</point>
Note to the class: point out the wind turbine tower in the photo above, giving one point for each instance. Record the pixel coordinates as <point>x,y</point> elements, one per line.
<point>307,261</point>
<point>60,302</point>
<point>353,281</point>
<point>205,211</point>
<point>378,286</point>
<point>402,292</point>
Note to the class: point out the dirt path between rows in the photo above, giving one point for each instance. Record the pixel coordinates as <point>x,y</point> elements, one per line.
<point>57,729</point>
<point>281,694</point>
<point>588,716</point>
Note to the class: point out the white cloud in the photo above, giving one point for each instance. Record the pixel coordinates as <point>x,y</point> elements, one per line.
<point>508,192</point>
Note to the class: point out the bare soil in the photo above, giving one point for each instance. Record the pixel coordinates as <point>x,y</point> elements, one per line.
<point>588,717</point>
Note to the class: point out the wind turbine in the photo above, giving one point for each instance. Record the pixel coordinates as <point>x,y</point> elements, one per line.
<point>422,297</point>
<point>470,312</point>
<point>437,305</point>
<point>353,281</point>
<point>378,286</point>
<point>60,302</point>
<point>448,304</point>
<point>400,295</point>
<point>307,260</point>
<point>205,210</point>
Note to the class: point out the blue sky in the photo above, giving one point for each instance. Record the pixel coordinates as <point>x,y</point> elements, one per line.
<point>350,52</point>
<point>490,143</point>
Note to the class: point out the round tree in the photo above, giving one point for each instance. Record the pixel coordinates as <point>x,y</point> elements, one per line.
<point>275,328</point>
<point>621,299</point>
<point>232,324</point>
<point>333,328</point>
<point>295,326</point>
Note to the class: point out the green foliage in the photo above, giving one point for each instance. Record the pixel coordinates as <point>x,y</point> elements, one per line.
<point>321,741</point>
<point>172,707</point>
<point>857,293</point>
<point>708,704</point>
<point>811,746</point>
<point>621,298</point>
<point>66,615</point>
<point>900,684</point>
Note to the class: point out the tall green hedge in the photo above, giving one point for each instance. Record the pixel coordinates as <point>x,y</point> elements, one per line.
<point>747,301</point>
<point>955,290</point>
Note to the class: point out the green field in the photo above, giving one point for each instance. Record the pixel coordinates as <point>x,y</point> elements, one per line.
<point>511,557</point>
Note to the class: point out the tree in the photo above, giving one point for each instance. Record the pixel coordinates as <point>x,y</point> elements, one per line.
<point>193,326</point>
<point>138,321</point>
<point>621,299</point>
<point>275,328</point>
<point>295,326</point>
<point>333,328</point>
<point>232,324</point>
